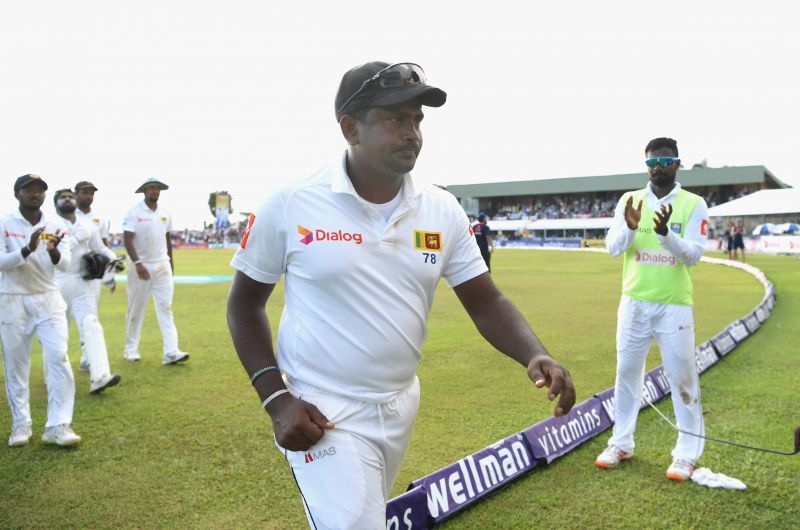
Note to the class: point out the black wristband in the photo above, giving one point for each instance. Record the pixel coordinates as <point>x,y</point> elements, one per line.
<point>261,371</point>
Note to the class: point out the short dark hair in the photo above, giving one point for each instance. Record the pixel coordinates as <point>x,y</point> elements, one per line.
<point>660,143</point>
<point>58,193</point>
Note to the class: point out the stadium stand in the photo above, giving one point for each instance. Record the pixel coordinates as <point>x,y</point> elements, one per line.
<point>596,197</point>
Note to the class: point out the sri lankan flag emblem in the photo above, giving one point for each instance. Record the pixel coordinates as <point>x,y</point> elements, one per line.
<point>427,240</point>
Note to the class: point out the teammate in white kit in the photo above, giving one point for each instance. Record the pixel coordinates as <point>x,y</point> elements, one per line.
<point>84,195</point>
<point>30,303</point>
<point>661,232</point>
<point>362,246</point>
<point>79,293</point>
<point>148,241</point>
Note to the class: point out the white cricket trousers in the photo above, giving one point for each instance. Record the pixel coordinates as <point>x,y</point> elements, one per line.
<point>345,478</point>
<point>81,298</point>
<point>638,323</point>
<point>161,287</point>
<point>22,315</point>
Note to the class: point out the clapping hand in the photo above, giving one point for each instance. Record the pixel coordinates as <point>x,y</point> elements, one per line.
<point>53,242</point>
<point>661,219</point>
<point>632,215</point>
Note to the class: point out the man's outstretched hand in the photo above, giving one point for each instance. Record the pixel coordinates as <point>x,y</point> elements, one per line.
<point>545,371</point>
<point>297,424</point>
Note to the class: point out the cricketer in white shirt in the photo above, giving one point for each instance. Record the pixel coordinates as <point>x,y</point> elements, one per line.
<point>30,303</point>
<point>81,299</point>
<point>147,239</point>
<point>360,275</point>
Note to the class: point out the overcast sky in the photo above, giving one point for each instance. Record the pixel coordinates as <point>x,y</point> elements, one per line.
<point>238,96</point>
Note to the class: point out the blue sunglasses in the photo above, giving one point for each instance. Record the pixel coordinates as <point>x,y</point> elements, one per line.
<point>663,161</point>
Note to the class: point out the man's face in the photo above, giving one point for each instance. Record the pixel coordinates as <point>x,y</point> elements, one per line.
<point>662,176</point>
<point>151,193</point>
<point>85,197</point>
<point>390,139</point>
<point>32,196</point>
<point>66,203</point>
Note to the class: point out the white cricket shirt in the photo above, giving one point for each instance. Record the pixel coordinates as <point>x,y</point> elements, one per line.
<point>358,288</point>
<point>83,239</point>
<point>34,274</point>
<point>100,224</point>
<point>149,231</point>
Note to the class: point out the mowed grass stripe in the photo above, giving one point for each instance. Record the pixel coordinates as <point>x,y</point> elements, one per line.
<point>188,446</point>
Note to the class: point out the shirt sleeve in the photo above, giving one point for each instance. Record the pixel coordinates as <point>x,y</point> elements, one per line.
<point>619,237</point>
<point>690,248</point>
<point>9,259</point>
<point>129,223</point>
<point>96,244</point>
<point>64,249</point>
<point>104,228</point>
<point>262,252</point>
<point>465,261</point>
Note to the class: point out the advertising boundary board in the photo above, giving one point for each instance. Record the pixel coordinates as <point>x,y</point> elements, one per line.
<point>433,498</point>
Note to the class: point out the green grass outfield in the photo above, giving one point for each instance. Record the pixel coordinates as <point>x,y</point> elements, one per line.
<point>189,446</point>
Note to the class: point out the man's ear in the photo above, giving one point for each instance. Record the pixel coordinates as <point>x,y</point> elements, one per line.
<point>349,127</point>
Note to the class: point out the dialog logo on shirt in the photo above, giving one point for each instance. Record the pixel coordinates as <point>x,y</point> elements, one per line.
<point>319,234</point>
<point>655,257</point>
<point>427,240</point>
<point>246,235</point>
<point>308,235</point>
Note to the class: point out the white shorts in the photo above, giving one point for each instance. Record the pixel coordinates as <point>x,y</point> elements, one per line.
<point>346,477</point>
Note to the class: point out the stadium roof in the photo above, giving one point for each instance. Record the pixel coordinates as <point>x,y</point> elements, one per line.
<point>629,181</point>
<point>511,225</point>
<point>764,202</point>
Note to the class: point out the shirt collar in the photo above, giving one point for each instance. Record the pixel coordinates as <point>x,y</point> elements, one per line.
<point>341,183</point>
<point>18,215</point>
<point>143,205</point>
<point>673,193</point>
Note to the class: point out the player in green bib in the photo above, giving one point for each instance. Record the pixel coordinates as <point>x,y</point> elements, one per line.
<point>661,232</point>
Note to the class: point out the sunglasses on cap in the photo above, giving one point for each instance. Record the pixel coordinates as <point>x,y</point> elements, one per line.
<point>663,161</point>
<point>394,75</point>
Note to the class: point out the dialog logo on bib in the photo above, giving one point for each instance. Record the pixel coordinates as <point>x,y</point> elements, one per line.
<point>318,234</point>
<point>655,257</point>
